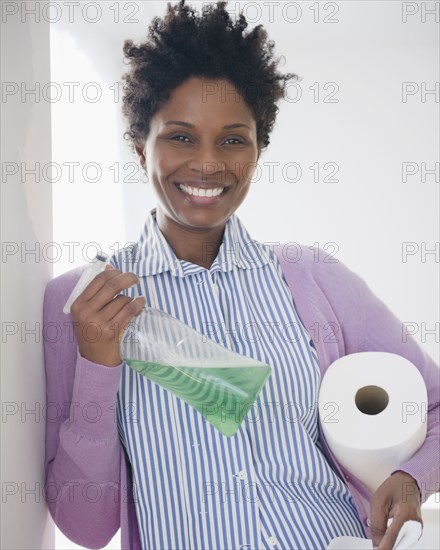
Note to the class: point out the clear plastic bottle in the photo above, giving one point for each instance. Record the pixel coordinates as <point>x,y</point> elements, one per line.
<point>221,384</point>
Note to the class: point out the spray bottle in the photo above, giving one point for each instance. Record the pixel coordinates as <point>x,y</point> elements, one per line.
<point>218,382</point>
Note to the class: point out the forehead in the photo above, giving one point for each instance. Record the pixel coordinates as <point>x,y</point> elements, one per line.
<point>203,101</point>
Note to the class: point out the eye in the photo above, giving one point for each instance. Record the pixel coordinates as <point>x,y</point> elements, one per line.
<point>176,138</point>
<point>239,141</point>
<point>180,138</point>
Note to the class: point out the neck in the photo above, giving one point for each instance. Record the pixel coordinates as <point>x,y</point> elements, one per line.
<point>199,246</point>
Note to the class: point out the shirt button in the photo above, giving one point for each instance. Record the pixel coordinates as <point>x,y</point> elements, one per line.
<point>272,541</point>
<point>347,478</point>
<point>242,475</point>
<point>368,522</point>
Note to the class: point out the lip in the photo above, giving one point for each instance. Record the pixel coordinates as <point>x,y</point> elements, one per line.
<point>201,201</point>
<point>202,184</point>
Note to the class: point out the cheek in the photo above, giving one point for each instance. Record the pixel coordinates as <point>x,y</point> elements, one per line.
<point>245,167</point>
<point>161,167</point>
<point>246,174</point>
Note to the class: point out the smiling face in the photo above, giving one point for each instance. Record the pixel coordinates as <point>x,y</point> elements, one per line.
<point>204,137</point>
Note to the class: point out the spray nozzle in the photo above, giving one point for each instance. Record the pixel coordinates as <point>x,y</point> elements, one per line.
<point>96,266</point>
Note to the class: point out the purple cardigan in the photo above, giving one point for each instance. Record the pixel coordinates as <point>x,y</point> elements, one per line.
<point>88,474</point>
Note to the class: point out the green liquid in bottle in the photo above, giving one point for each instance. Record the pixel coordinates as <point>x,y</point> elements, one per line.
<point>223,395</point>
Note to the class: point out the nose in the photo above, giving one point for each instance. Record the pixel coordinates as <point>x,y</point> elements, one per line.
<point>207,160</point>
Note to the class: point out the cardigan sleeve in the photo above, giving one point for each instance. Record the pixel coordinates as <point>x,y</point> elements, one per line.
<point>384,332</point>
<point>83,458</point>
<point>367,324</point>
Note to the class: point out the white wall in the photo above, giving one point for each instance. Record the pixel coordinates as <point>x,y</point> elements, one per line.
<point>26,221</point>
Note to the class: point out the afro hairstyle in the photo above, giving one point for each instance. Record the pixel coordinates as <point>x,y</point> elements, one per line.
<point>185,44</point>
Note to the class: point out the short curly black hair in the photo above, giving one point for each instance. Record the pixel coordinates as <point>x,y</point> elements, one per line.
<point>185,44</point>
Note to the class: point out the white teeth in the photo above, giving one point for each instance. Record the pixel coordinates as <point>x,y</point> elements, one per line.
<point>201,192</point>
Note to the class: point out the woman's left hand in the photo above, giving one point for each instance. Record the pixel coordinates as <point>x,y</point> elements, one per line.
<point>398,498</point>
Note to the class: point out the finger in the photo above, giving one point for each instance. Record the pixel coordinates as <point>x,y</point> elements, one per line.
<point>123,318</point>
<point>379,518</point>
<point>110,310</point>
<point>114,284</point>
<point>96,284</point>
<point>390,536</point>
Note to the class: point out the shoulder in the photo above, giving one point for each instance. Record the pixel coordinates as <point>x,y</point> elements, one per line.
<point>320,269</point>
<point>58,332</point>
<point>312,261</point>
<point>59,289</point>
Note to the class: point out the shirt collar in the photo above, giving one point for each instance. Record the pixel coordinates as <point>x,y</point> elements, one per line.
<point>152,254</point>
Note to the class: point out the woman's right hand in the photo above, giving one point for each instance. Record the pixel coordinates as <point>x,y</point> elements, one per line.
<point>100,318</point>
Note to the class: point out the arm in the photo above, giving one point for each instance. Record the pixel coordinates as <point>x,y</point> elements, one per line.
<point>383,331</point>
<point>371,326</point>
<point>401,494</point>
<point>83,452</point>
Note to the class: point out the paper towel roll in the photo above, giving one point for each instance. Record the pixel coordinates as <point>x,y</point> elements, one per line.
<point>372,409</point>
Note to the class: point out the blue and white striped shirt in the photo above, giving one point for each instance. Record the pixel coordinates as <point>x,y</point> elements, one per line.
<point>269,486</point>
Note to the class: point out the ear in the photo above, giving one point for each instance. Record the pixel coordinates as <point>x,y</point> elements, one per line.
<point>141,155</point>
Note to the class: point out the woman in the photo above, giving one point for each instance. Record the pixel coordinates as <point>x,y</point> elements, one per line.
<point>200,99</point>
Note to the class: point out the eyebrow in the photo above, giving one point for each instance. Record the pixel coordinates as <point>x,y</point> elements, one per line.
<point>188,125</point>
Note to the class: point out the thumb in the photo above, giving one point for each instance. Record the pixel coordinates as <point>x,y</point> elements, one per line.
<point>379,519</point>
